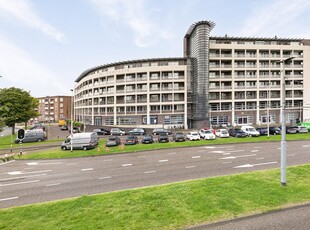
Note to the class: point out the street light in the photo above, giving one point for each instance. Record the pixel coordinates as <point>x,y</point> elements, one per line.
<point>71,120</point>
<point>283,127</point>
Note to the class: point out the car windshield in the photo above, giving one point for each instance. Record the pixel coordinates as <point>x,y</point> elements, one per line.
<point>252,130</point>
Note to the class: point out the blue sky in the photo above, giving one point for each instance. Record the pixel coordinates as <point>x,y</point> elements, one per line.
<point>46,44</point>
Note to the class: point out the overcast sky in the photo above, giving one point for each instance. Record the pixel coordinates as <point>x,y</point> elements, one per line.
<point>46,44</point>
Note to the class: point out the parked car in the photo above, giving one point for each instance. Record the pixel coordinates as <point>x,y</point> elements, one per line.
<point>274,131</point>
<point>193,136</point>
<point>221,133</point>
<point>102,131</point>
<point>163,137</point>
<point>207,134</point>
<point>289,129</point>
<point>83,141</point>
<point>263,131</point>
<point>137,131</point>
<point>177,137</point>
<point>113,141</point>
<point>64,127</point>
<point>117,132</point>
<point>301,129</point>
<point>237,132</point>
<point>38,126</point>
<point>147,139</point>
<point>250,131</point>
<point>131,140</point>
<point>75,130</point>
<point>158,131</point>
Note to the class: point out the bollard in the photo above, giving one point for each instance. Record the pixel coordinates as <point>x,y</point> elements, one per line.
<point>106,149</point>
<point>98,149</point>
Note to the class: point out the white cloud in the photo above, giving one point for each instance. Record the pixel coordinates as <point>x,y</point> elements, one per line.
<point>276,17</point>
<point>20,70</point>
<point>22,11</point>
<point>136,16</point>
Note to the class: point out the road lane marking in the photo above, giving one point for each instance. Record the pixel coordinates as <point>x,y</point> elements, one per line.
<point>234,157</point>
<point>148,172</point>
<point>172,153</point>
<point>71,164</point>
<point>305,146</point>
<point>7,162</point>
<point>9,198</point>
<point>49,185</point>
<point>254,151</point>
<point>162,161</point>
<point>46,163</point>
<point>87,169</point>
<point>260,158</point>
<point>195,157</point>
<point>17,183</point>
<point>21,177</point>
<point>191,166</point>
<point>291,155</point>
<point>105,177</point>
<point>126,165</point>
<point>252,165</point>
<point>227,162</point>
<point>108,160</point>
<point>21,173</point>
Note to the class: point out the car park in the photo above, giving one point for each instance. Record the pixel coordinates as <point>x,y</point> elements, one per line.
<point>131,140</point>
<point>102,131</point>
<point>163,137</point>
<point>178,137</point>
<point>193,136</point>
<point>250,131</point>
<point>263,131</point>
<point>237,132</point>
<point>113,141</point>
<point>147,139</point>
<point>137,131</point>
<point>221,133</point>
<point>207,134</point>
<point>117,132</point>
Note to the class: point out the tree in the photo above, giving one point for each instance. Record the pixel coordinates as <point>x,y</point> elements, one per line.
<point>16,106</point>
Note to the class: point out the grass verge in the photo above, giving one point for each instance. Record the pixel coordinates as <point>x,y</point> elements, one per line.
<point>58,153</point>
<point>171,206</point>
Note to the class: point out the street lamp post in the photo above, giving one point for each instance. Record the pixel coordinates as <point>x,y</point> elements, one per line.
<point>283,126</point>
<point>71,147</point>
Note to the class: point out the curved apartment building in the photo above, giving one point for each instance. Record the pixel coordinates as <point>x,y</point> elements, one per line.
<point>220,80</point>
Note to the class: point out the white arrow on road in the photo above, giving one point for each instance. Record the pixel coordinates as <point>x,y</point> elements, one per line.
<point>252,165</point>
<point>232,157</point>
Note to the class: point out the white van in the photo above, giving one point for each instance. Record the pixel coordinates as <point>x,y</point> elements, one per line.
<point>35,135</point>
<point>250,131</point>
<point>83,141</point>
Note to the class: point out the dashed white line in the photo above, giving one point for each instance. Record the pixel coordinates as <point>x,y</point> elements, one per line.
<point>7,162</point>
<point>105,177</point>
<point>21,173</point>
<point>172,153</point>
<point>162,161</point>
<point>72,164</point>
<point>9,198</point>
<point>254,151</point>
<point>227,162</point>
<point>291,155</point>
<point>260,158</point>
<point>190,167</point>
<point>148,172</point>
<point>88,169</point>
<point>195,157</point>
<point>46,163</point>
<point>49,185</point>
<point>126,165</point>
<point>24,182</point>
<point>21,177</point>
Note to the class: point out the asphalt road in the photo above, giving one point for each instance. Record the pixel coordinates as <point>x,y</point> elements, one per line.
<point>25,182</point>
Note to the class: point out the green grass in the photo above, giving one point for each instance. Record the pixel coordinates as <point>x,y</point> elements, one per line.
<point>58,153</point>
<point>171,206</point>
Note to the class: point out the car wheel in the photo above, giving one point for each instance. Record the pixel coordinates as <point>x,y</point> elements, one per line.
<point>64,148</point>
<point>39,140</point>
<point>84,148</point>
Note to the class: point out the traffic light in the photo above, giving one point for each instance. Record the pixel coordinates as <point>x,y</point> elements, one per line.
<point>21,134</point>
